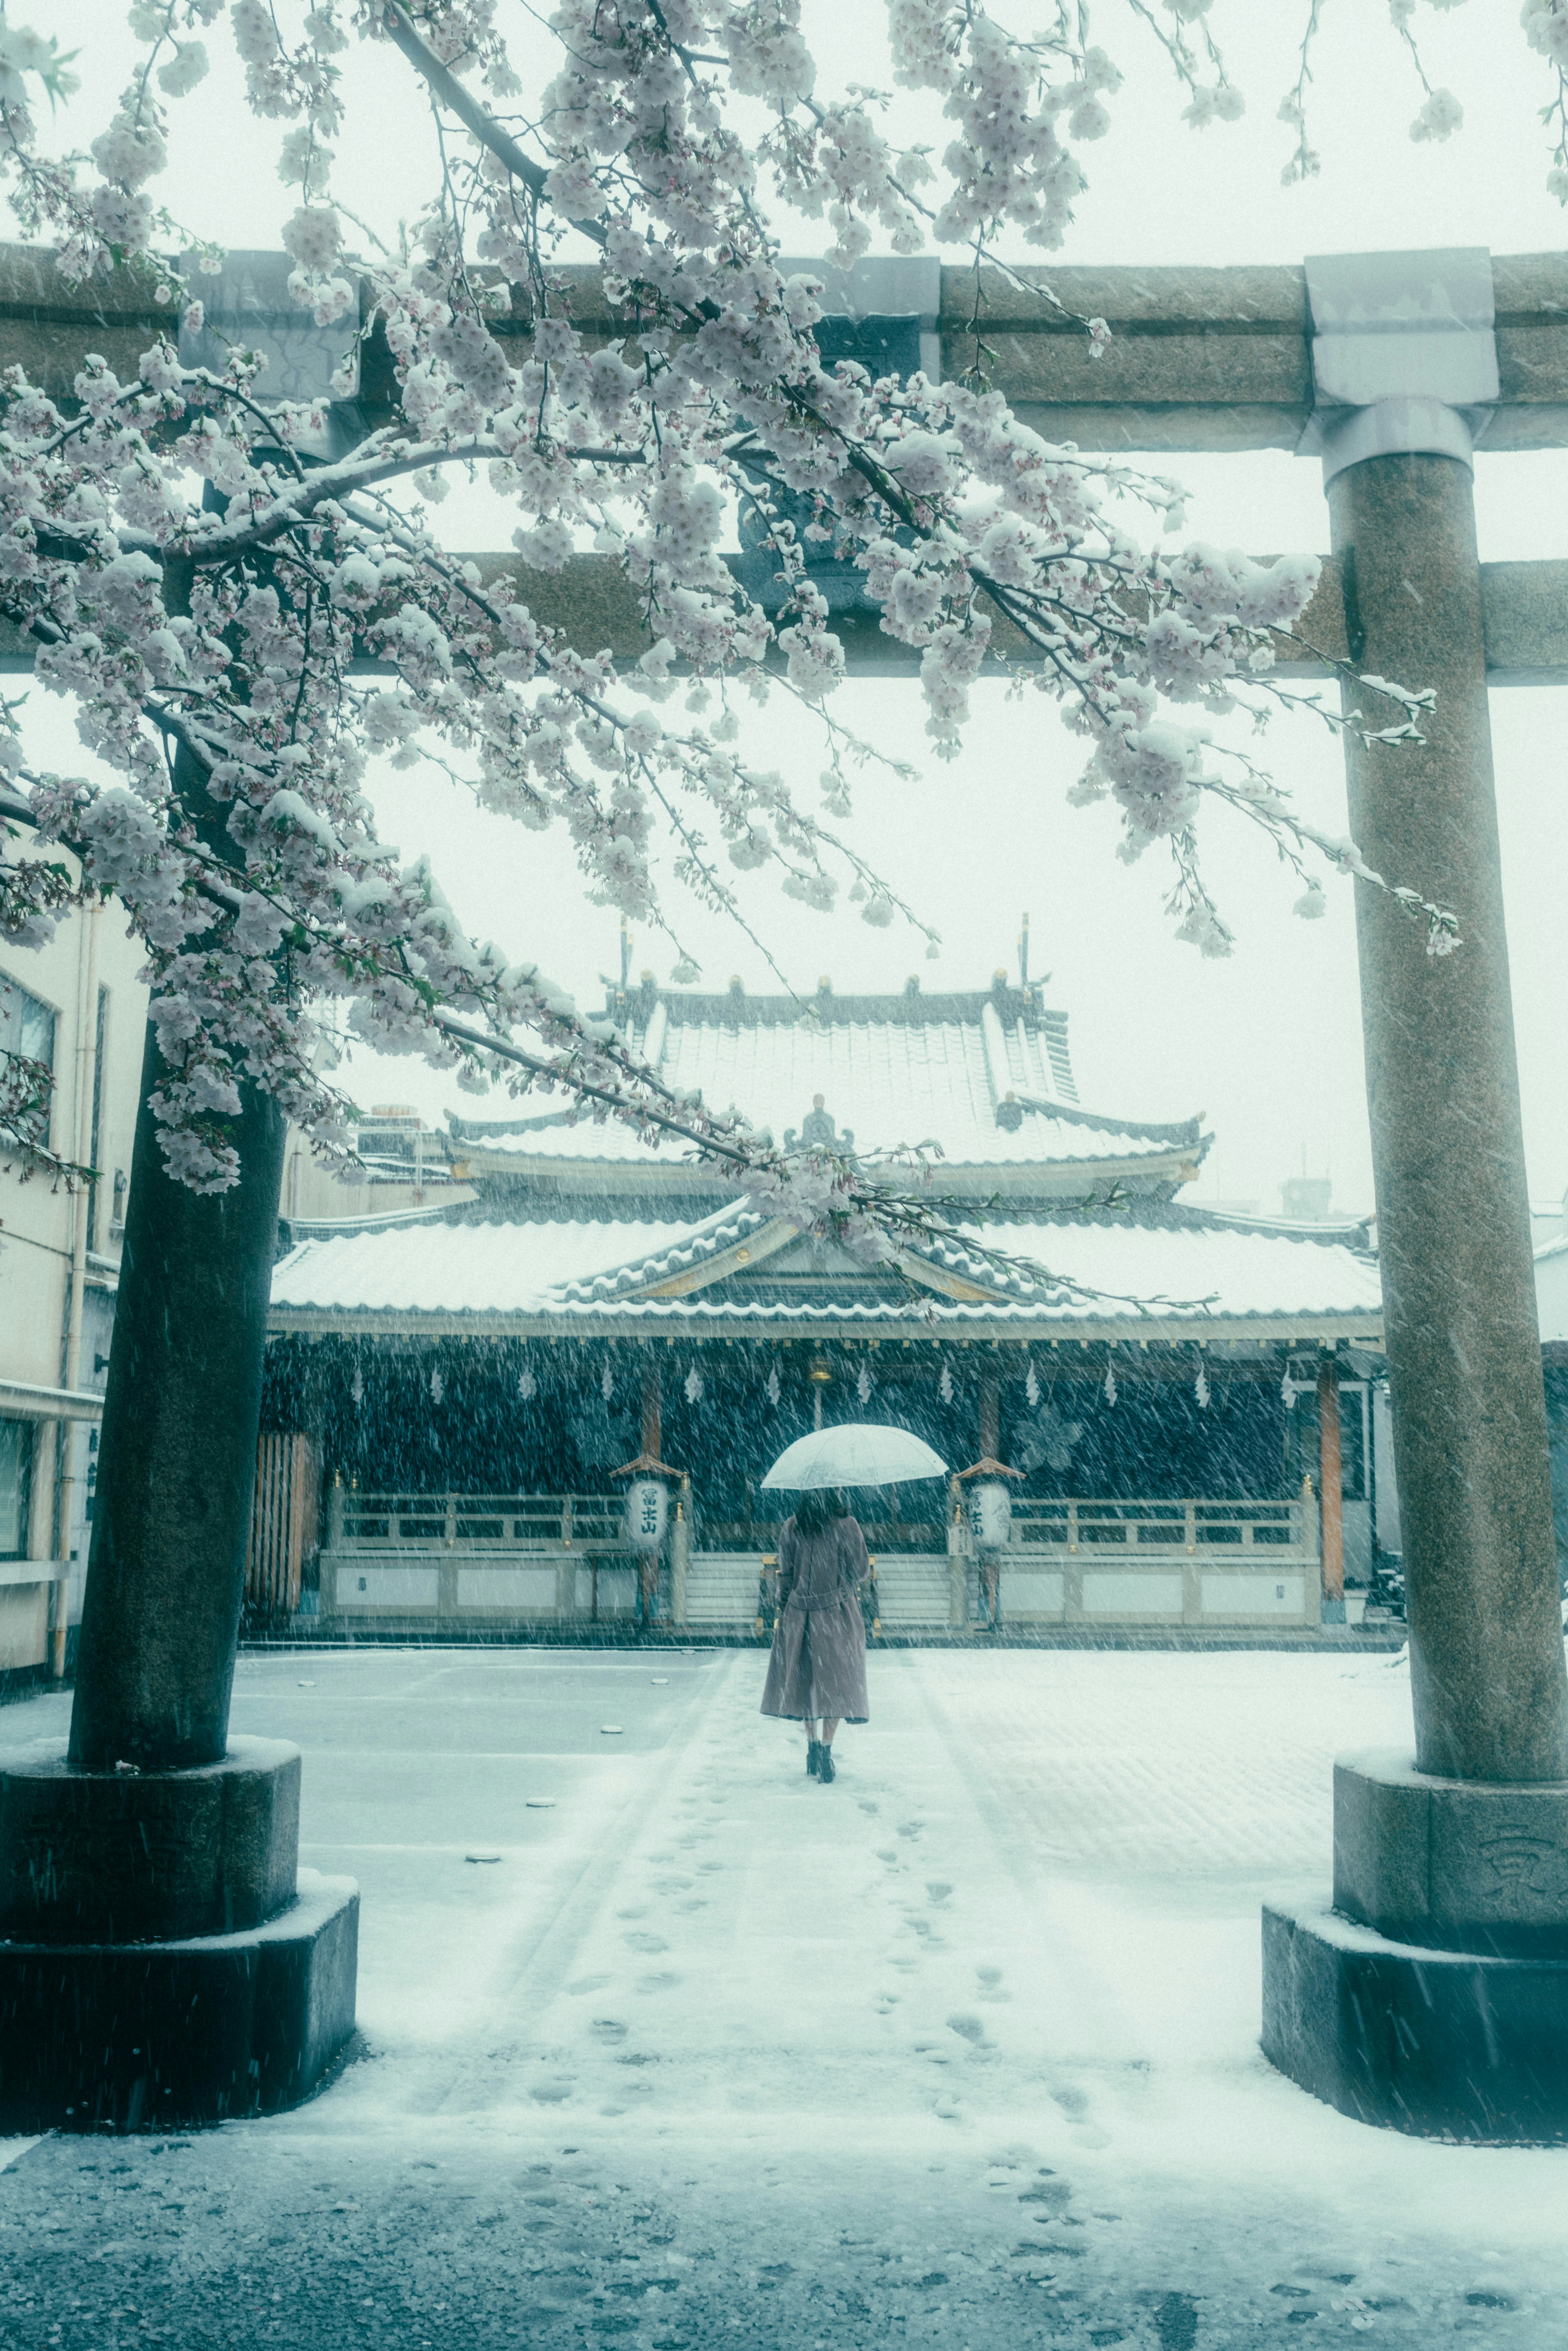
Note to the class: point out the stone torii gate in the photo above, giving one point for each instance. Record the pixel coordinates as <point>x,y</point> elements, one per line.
<point>1434,1995</point>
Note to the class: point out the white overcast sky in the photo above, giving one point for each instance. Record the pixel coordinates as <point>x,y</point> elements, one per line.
<point>1268,1044</point>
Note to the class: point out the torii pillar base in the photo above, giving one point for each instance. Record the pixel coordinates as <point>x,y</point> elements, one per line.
<point>164,1964</point>
<point>1442,2044</point>
<point>1433,1998</point>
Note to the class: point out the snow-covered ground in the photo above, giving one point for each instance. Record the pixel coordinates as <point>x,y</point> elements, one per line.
<point>962,2048</point>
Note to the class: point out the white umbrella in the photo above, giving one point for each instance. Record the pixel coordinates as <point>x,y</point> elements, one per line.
<point>855,1454</point>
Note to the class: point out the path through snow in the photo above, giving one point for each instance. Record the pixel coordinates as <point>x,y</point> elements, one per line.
<point>962,2048</point>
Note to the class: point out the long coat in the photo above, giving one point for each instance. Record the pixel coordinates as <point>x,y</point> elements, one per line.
<point>818,1664</point>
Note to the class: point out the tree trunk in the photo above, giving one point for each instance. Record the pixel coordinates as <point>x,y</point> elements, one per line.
<point>177,1456</point>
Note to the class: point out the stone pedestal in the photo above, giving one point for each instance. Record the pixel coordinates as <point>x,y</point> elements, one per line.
<point>163,1961</point>
<point>1433,1997</point>
<point>162,2036</point>
<point>1444,2045</point>
<point>124,1858</point>
<point>1451,1865</point>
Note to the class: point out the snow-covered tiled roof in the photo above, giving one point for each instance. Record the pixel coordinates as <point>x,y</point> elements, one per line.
<point>1181,1262</point>
<point>969,1136</point>
<point>1181,1268</point>
<point>696,1245</point>
<point>557,1135</point>
<point>889,1084</point>
<point>892,1072</point>
<point>460,1268</point>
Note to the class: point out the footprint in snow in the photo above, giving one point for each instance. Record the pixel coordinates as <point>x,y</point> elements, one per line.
<point>552,2094</point>
<point>969,2028</point>
<point>1075,2105</point>
<point>990,1983</point>
<point>665,1982</point>
<point>610,2028</point>
<point>643,1942</point>
<point>586,1984</point>
<point>936,1890</point>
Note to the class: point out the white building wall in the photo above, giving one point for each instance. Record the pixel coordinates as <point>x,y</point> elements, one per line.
<point>40,1217</point>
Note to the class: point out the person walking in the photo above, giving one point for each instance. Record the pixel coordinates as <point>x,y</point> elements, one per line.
<point>816,1674</point>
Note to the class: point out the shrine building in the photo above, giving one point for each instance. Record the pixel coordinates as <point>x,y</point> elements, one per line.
<point>1164,1410</point>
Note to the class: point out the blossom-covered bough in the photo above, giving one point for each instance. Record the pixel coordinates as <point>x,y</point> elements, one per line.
<point>199,588</point>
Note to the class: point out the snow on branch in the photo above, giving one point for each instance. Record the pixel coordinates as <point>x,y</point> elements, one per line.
<point>213,649</point>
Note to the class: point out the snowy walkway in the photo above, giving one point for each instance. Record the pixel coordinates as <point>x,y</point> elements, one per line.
<point>961,2050</point>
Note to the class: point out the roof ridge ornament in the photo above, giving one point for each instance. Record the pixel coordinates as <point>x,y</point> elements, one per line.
<point>1404,354</point>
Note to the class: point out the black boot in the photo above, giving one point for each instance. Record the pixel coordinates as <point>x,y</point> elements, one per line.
<point>825,1765</point>
<point>813,1756</point>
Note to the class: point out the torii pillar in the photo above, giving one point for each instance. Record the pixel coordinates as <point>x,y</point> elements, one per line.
<point>1422,1999</point>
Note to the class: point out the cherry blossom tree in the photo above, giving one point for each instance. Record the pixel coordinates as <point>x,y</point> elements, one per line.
<point>200,589</point>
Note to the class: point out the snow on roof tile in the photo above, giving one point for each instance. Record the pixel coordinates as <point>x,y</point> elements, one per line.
<point>1238,1272</point>
<point>581,1271</point>
<point>888,1083</point>
<point>459,1269</point>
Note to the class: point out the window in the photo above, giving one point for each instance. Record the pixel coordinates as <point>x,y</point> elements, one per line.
<point>16,1477</point>
<point>27,1026</point>
<point>27,1035</point>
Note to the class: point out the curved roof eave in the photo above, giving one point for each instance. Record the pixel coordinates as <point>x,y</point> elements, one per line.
<point>677,1319</point>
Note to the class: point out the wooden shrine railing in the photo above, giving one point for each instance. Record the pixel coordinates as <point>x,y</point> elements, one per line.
<point>566,1557</point>
<point>389,1524</point>
<point>1185,1527</point>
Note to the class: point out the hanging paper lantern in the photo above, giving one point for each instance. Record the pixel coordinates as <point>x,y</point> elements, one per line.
<point>437,1387</point>
<point>991,1514</point>
<point>607,1386</point>
<point>862,1386</point>
<point>1031,1388</point>
<point>694,1385</point>
<point>945,1384</point>
<point>357,1387</point>
<point>1110,1384</point>
<point>647,1507</point>
<point>528,1386</point>
<point>1200,1389</point>
<point>773,1386</point>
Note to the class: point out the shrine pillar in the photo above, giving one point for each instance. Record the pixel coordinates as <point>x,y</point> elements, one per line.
<point>1330,1486</point>
<point>653,1433</point>
<point>680,1553</point>
<point>1433,2012</point>
<point>957,1558</point>
<point>990,1417</point>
